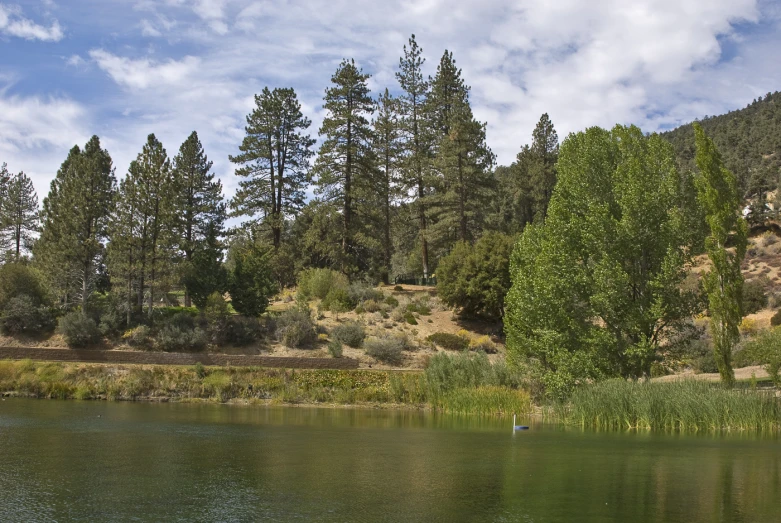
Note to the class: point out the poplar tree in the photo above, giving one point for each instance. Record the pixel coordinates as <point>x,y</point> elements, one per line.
<point>198,208</point>
<point>274,159</point>
<point>388,149</point>
<point>718,194</point>
<point>75,219</point>
<point>19,213</point>
<point>414,126</point>
<point>462,159</point>
<point>344,163</point>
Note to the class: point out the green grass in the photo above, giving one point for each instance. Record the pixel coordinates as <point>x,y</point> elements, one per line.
<point>686,406</point>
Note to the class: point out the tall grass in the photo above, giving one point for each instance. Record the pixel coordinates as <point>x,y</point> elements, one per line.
<point>687,405</point>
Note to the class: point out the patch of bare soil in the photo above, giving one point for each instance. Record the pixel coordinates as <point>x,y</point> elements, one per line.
<point>744,373</point>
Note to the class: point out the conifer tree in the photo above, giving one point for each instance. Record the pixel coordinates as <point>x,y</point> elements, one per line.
<point>415,132</point>
<point>462,159</point>
<point>124,249</point>
<point>75,218</point>
<point>388,149</point>
<point>198,207</point>
<point>274,160</point>
<point>19,213</point>
<point>544,154</point>
<point>344,163</point>
<point>718,194</point>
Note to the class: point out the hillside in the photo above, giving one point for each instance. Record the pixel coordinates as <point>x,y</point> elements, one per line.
<point>749,140</point>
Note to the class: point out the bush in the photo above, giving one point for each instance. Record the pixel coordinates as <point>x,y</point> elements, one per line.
<point>251,282</point>
<point>17,279</point>
<point>317,283</point>
<point>410,318</point>
<point>295,328</point>
<point>391,301</point>
<point>181,334</point>
<point>241,330</point>
<point>476,278</point>
<point>138,337</point>
<point>335,348</point>
<point>338,300</point>
<point>419,307</point>
<point>79,330</point>
<point>766,349</point>
<point>361,292</point>
<point>351,333</point>
<point>754,297</point>
<point>776,319</point>
<point>398,288</point>
<point>449,341</point>
<point>387,349</point>
<point>21,316</point>
<point>483,343</point>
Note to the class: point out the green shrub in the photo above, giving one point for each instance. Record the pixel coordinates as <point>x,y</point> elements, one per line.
<point>361,292</point>
<point>338,300</point>
<point>241,330</point>
<point>176,338</point>
<point>335,348</point>
<point>295,328</point>
<point>79,330</point>
<point>250,282</point>
<point>140,336</point>
<point>17,279</point>
<point>372,306</point>
<point>484,344</point>
<point>387,349</point>
<point>449,341</point>
<point>351,333</point>
<point>766,349</point>
<point>317,283</point>
<point>476,278</point>
<point>410,318</point>
<point>398,288</point>
<point>419,308</point>
<point>216,314</point>
<point>22,316</point>
<point>391,301</point>
<point>200,370</point>
<point>775,320</point>
<point>754,297</point>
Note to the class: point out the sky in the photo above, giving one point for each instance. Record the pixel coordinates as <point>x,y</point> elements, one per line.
<point>124,69</point>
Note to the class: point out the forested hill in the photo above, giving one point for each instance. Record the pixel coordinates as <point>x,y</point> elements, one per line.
<point>749,140</point>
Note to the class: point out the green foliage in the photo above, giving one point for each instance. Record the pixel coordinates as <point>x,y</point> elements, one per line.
<point>685,405</point>
<point>447,372</point>
<point>216,313</point>
<point>449,341</point>
<point>351,333</point>
<point>599,285</point>
<point>410,318</point>
<point>17,279</point>
<point>754,297</point>
<point>205,274</point>
<point>21,315</point>
<point>338,300</point>
<point>386,349</point>
<point>775,320</point>
<point>241,330</point>
<point>79,330</point>
<point>766,349</point>
<point>335,348</point>
<point>476,278</point>
<point>391,301</point>
<point>295,329</point>
<point>318,283</point>
<point>719,197</point>
<point>140,336</point>
<point>19,214</point>
<point>180,333</point>
<point>251,282</point>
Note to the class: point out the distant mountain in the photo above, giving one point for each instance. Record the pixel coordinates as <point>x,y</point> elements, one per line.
<point>749,140</point>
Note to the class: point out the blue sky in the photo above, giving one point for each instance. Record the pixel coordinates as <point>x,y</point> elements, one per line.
<point>123,69</point>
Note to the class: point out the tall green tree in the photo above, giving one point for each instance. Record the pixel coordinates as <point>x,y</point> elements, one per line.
<point>541,167</point>
<point>388,150</point>
<point>19,213</point>
<point>463,161</point>
<point>345,161</point>
<point>75,219</point>
<point>205,273</point>
<point>250,279</point>
<point>274,159</point>
<point>198,206</point>
<point>597,287</point>
<point>416,138</point>
<point>718,193</point>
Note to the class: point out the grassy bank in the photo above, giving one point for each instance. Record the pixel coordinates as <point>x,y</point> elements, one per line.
<point>686,405</point>
<point>469,393</point>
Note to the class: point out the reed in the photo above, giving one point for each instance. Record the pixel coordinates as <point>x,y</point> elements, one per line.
<point>686,406</point>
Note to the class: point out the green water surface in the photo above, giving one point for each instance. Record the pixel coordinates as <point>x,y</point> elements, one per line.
<point>100,461</point>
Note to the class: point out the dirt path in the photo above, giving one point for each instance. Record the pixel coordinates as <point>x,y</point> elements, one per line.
<point>740,374</point>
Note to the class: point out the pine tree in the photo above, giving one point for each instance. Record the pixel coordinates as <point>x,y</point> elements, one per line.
<point>198,207</point>
<point>19,213</point>
<point>75,218</point>
<point>388,150</point>
<point>718,194</point>
<point>544,154</point>
<point>414,126</point>
<point>274,160</point>
<point>344,163</point>
<point>462,159</point>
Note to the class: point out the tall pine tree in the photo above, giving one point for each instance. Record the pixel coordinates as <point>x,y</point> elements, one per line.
<point>416,140</point>
<point>274,160</point>
<point>544,153</point>
<point>75,218</point>
<point>198,208</point>
<point>344,163</point>
<point>19,214</point>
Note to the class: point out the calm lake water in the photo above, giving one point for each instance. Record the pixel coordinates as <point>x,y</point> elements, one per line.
<point>97,461</point>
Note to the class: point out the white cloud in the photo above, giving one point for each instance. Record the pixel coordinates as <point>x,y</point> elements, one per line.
<point>12,23</point>
<point>75,60</point>
<point>144,73</point>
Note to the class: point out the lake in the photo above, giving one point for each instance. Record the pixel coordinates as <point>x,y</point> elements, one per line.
<point>104,461</point>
